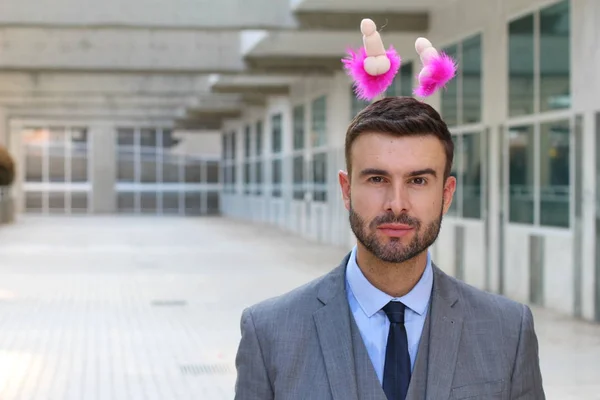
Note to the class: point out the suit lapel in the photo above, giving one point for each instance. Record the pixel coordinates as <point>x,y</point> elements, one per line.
<point>445,329</point>
<point>333,328</point>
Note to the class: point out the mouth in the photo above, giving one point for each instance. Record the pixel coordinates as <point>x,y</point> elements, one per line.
<point>395,230</point>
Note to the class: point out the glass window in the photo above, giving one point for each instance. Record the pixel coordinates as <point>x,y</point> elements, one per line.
<point>259,135</point>
<point>319,167</point>
<point>247,180</point>
<point>148,156</point>
<point>453,210</point>
<point>56,155</point>
<point>232,145</point>
<point>79,154</point>
<point>406,79</point>
<point>258,176</point>
<point>555,57</point>
<point>298,127</point>
<point>470,182</point>
<point>125,155</point>
<point>224,144</point>
<point>276,134</point>
<point>247,142</point>
<point>298,172</point>
<point>356,104</point>
<point>319,122</point>
<point>450,93</point>
<point>554,173</point>
<point>521,62</point>
<point>471,59</point>
<point>521,173</point>
<point>276,172</point>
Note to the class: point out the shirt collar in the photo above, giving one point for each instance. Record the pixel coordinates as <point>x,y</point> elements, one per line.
<point>371,299</point>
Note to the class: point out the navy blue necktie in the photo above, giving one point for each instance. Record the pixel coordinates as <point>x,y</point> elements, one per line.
<point>396,373</point>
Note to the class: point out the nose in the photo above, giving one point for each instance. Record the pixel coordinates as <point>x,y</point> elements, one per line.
<point>398,201</point>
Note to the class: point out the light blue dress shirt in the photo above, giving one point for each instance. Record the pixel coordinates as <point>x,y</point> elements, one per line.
<point>366,303</point>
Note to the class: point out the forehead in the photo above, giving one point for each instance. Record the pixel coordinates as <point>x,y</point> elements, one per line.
<point>399,153</point>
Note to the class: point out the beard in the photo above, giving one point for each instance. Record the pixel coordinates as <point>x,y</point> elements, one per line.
<point>394,251</point>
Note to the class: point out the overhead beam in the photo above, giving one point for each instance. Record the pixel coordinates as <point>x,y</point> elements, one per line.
<point>102,83</point>
<point>172,14</point>
<point>301,65</point>
<point>120,50</point>
<point>251,89</point>
<point>350,20</point>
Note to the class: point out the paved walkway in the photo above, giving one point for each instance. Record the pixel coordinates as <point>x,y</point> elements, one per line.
<point>148,308</point>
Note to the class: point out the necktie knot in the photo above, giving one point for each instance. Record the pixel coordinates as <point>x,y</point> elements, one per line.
<point>395,312</point>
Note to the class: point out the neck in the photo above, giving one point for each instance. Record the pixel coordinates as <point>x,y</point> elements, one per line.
<point>394,279</point>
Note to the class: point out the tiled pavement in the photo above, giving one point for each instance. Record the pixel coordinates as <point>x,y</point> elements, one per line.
<point>148,308</point>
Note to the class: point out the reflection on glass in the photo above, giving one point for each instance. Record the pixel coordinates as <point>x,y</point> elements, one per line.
<point>319,122</point>
<point>170,168</point>
<point>247,180</point>
<point>193,170</point>
<point>247,142</point>
<point>193,203</point>
<point>148,202</point>
<point>259,141</point>
<point>258,176</point>
<point>471,80</point>
<point>212,172</point>
<point>521,173</point>
<point>554,173</point>
<point>555,57</point>
<point>79,202</point>
<point>319,168</point>
<point>34,141</point>
<point>471,175</point>
<point>453,210</point>
<point>148,155</point>
<point>520,55</point>
<point>79,155</point>
<point>34,201</point>
<point>298,127</point>
<point>298,173</point>
<point>170,203</point>
<point>57,155</point>
<point>356,104</point>
<point>125,155</point>
<point>406,79</point>
<point>450,94</point>
<point>276,134</point>
<point>56,202</point>
<point>276,177</point>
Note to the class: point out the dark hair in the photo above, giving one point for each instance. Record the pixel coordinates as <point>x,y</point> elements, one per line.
<point>400,116</point>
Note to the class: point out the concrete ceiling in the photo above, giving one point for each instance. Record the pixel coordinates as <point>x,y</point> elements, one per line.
<point>156,58</point>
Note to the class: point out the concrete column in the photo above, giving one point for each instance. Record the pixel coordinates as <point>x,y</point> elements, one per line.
<point>103,168</point>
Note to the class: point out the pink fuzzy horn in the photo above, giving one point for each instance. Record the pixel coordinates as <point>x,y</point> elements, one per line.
<point>438,69</point>
<point>372,68</point>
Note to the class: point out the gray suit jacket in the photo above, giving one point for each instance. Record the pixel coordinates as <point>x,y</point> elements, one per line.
<point>305,345</point>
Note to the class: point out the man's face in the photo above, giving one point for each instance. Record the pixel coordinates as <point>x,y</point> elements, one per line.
<point>396,194</point>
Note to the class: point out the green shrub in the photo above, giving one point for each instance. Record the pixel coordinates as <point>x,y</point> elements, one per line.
<point>7,167</point>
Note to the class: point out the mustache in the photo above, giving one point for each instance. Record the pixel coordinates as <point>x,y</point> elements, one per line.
<point>395,219</point>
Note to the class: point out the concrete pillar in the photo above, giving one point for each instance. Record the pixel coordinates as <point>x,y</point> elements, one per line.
<point>103,168</point>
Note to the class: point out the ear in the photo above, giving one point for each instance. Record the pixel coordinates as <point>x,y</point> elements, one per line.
<point>344,179</point>
<point>449,189</point>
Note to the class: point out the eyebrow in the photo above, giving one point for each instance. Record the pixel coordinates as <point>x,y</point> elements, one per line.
<point>382,172</point>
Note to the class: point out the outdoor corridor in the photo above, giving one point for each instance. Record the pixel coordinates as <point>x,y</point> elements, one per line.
<point>148,308</point>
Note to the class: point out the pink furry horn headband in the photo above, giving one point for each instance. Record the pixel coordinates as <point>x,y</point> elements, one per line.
<point>373,68</point>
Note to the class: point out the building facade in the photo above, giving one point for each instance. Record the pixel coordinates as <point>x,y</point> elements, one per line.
<point>525,119</point>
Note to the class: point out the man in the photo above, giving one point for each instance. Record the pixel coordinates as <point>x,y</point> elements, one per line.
<point>387,323</point>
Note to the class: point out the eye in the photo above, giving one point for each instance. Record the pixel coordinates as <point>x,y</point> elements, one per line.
<point>376,179</point>
<point>419,181</point>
